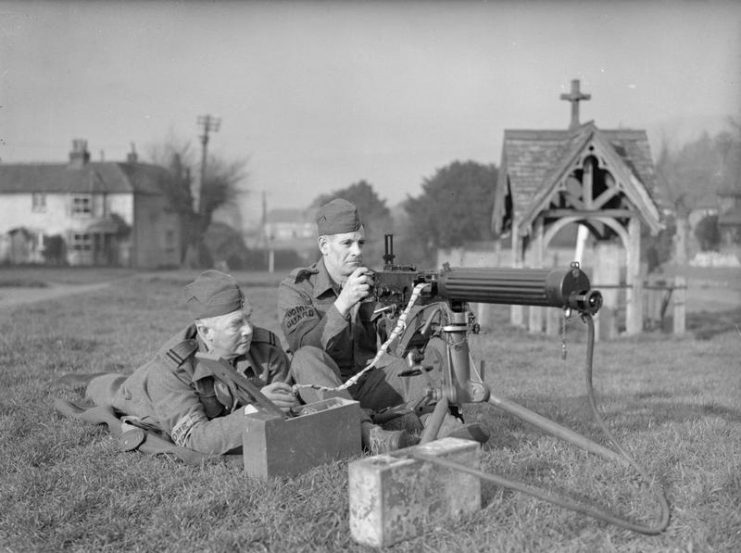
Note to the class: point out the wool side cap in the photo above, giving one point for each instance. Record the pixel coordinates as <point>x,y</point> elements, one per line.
<point>337,217</point>
<point>213,293</point>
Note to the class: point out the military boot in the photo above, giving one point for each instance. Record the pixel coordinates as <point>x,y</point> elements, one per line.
<point>377,440</point>
<point>453,427</point>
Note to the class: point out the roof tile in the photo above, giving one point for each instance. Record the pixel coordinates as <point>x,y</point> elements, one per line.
<point>100,177</point>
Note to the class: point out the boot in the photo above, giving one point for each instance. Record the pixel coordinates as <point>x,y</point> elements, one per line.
<point>453,427</point>
<point>408,421</point>
<point>377,440</point>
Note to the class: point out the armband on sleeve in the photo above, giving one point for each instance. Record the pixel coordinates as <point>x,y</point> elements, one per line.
<point>182,429</point>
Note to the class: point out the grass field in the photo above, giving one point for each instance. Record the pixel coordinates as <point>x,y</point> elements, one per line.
<point>674,404</point>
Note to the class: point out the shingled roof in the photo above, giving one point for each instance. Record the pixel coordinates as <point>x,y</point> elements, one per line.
<point>533,159</point>
<point>98,177</point>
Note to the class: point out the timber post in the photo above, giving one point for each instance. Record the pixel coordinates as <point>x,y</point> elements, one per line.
<point>634,295</point>
<point>680,297</point>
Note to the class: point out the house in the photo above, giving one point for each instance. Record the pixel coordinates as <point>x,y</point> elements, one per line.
<point>88,213</point>
<point>292,232</point>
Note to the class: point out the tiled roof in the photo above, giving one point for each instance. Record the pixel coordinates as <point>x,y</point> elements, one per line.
<point>532,156</point>
<point>633,148</point>
<point>109,177</point>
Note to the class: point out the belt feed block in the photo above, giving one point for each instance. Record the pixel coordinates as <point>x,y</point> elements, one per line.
<point>394,497</point>
<point>324,431</point>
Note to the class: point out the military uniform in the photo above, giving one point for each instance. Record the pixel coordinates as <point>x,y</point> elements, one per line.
<point>309,317</point>
<point>179,396</point>
<point>329,348</point>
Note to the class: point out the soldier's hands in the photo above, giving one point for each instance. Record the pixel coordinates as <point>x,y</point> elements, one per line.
<point>281,394</point>
<point>356,288</point>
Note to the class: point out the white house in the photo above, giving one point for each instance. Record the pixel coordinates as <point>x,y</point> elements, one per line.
<point>88,213</point>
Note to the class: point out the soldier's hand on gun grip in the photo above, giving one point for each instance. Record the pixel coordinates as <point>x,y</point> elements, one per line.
<point>281,394</point>
<point>357,287</point>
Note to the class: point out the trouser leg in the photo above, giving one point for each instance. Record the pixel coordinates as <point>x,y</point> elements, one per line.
<point>106,390</point>
<point>312,365</point>
<point>387,387</point>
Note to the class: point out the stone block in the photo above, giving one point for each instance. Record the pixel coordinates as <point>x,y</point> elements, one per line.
<point>324,431</point>
<point>393,497</point>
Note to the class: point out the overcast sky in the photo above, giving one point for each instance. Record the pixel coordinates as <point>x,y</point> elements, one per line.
<point>319,95</point>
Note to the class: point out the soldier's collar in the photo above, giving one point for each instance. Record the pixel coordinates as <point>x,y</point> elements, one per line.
<point>323,281</point>
<point>201,371</point>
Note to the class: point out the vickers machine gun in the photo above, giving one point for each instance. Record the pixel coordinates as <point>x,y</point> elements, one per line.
<point>423,304</point>
<point>451,290</point>
<point>566,288</point>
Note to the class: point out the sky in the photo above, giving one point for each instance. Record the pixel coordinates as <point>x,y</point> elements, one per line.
<point>316,96</point>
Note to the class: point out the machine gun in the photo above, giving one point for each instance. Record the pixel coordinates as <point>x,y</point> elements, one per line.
<point>455,288</point>
<point>565,288</point>
<point>447,293</point>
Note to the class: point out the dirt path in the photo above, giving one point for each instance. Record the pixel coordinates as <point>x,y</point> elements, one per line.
<point>15,296</point>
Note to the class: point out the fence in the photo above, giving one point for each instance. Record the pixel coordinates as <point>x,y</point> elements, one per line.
<point>662,307</point>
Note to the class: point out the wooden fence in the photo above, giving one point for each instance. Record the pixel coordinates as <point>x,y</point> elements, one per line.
<point>662,308</point>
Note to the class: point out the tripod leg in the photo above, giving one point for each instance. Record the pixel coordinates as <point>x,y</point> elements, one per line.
<point>555,429</point>
<point>435,421</point>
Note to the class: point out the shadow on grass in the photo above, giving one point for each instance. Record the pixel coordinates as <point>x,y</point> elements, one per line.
<point>705,324</point>
<point>627,414</point>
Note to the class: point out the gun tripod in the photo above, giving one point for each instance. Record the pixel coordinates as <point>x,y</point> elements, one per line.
<point>458,387</point>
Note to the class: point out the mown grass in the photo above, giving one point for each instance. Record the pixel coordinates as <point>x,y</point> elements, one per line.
<point>673,403</point>
<point>43,276</point>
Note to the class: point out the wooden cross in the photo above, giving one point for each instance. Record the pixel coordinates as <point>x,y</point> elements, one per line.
<point>575,96</point>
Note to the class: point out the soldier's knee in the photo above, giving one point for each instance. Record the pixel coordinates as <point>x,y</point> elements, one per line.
<point>309,361</point>
<point>307,353</point>
<point>307,358</point>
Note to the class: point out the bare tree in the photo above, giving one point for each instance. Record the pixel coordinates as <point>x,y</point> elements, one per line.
<point>224,181</point>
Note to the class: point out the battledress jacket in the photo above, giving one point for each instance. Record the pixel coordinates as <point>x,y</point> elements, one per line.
<point>309,317</point>
<point>177,394</point>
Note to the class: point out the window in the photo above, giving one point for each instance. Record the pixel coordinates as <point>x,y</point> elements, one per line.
<point>169,241</point>
<point>81,242</point>
<point>38,202</point>
<point>82,205</point>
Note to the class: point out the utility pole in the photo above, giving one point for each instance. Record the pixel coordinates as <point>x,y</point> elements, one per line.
<point>266,239</point>
<point>209,123</point>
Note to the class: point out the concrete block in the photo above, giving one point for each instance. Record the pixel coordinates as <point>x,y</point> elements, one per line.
<point>393,497</point>
<point>324,431</point>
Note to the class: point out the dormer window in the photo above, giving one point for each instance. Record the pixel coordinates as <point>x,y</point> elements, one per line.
<point>82,205</point>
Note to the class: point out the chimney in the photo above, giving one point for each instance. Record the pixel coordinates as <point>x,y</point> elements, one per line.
<point>79,155</point>
<point>131,157</point>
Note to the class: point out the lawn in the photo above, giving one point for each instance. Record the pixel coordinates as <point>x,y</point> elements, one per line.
<point>673,403</point>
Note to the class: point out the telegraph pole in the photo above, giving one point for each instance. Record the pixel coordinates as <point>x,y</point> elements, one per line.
<point>208,123</point>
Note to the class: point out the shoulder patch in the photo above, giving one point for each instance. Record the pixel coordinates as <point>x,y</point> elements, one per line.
<point>264,335</point>
<point>303,274</point>
<point>181,351</point>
